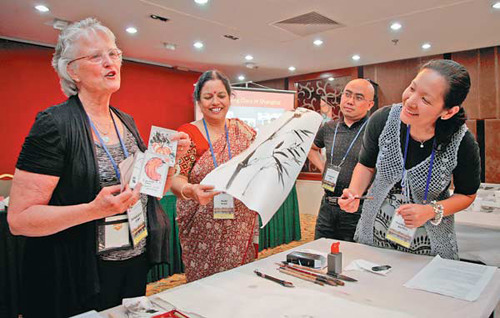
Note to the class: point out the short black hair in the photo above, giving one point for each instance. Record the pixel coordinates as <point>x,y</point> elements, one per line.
<point>208,76</point>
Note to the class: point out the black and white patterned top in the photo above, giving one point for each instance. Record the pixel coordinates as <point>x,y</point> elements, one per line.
<point>107,177</point>
<point>421,243</point>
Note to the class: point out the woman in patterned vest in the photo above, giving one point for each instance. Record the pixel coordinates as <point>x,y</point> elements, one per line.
<point>411,151</point>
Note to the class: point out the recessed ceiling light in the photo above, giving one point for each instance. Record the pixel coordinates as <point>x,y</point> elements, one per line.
<point>496,5</point>
<point>292,68</point>
<point>201,1</point>
<point>131,30</point>
<point>241,78</point>
<point>318,42</point>
<point>248,57</point>
<point>396,26</point>
<point>426,46</point>
<point>42,8</point>
<point>198,44</point>
<point>331,78</point>
<point>356,57</point>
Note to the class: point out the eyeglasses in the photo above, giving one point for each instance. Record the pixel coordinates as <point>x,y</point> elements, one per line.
<point>357,97</point>
<point>113,54</point>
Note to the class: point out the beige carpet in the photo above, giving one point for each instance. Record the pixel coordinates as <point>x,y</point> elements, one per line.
<point>307,223</point>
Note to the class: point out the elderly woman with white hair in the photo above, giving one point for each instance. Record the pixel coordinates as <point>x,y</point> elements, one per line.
<point>67,186</point>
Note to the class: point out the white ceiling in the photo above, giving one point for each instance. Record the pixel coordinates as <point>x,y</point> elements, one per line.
<point>449,25</point>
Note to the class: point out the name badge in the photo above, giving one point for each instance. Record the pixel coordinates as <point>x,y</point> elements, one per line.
<point>398,232</point>
<point>137,223</point>
<point>223,207</point>
<point>330,178</point>
<point>114,234</point>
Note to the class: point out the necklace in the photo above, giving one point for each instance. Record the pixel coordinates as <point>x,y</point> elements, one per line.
<point>105,134</point>
<point>422,142</point>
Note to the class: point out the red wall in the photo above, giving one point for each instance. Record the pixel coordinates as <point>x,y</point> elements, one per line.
<point>153,95</point>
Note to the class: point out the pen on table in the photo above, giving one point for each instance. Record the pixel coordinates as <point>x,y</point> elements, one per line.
<point>274,279</point>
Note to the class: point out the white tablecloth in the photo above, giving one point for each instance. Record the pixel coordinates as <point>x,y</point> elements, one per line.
<point>240,293</point>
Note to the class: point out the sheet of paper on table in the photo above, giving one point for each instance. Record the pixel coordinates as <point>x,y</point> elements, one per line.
<point>453,278</point>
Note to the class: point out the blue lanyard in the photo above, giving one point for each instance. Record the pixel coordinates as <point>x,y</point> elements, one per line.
<point>103,145</point>
<point>350,146</point>
<point>429,172</point>
<point>210,143</point>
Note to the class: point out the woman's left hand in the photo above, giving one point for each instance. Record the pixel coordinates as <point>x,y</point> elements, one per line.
<point>415,215</point>
<point>183,143</point>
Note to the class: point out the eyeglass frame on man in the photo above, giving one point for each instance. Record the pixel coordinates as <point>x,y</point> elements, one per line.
<point>358,97</point>
<point>99,56</point>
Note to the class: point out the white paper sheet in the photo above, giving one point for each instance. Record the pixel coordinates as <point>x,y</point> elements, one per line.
<point>453,278</point>
<point>263,175</point>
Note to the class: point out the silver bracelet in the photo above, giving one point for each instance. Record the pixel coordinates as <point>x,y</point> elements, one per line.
<point>438,211</point>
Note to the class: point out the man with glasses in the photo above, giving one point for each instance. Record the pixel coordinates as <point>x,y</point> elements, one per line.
<point>342,139</point>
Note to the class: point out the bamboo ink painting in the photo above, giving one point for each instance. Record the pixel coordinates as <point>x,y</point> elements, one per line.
<point>263,175</point>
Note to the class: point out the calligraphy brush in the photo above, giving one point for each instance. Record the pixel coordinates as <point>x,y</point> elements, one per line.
<point>314,270</point>
<point>309,269</point>
<point>356,197</point>
<point>325,280</point>
<point>301,276</point>
<point>274,279</point>
<point>333,281</point>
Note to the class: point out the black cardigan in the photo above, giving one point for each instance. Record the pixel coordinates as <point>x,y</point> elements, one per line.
<point>67,260</point>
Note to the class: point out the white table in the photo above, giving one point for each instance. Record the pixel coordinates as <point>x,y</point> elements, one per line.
<point>240,293</point>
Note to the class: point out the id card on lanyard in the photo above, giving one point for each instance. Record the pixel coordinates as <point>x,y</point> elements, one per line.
<point>332,172</point>
<point>223,203</point>
<point>116,229</point>
<point>330,178</point>
<point>397,231</point>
